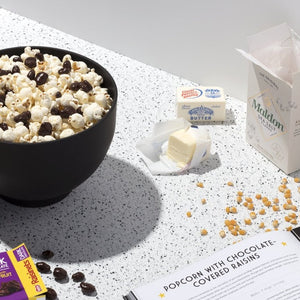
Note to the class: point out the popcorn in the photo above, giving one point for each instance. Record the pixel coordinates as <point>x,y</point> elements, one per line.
<point>66,99</point>
<point>10,118</point>
<point>9,135</point>
<point>10,100</point>
<point>46,101</point>
<point>80,67</point>
<point>101,99</point>
<point>24,93</point>
<point>4,111</point>
<point>93,78</point>
<point>64,81</point>
<point>20,130</point>
<point>36,114</point>
<point>82,97</point>
<point>76,121</point>
<point>34,128</point>
<point>51,92</point>
<point>43,98</point>
<point>56,122</point>
<point>66,132</point>
<point>93,112</point>
<point>47,138</point>
<point>51,83</point>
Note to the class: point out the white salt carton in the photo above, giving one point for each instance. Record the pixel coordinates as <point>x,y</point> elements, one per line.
<point>273,105</point>
<point>200,104</point>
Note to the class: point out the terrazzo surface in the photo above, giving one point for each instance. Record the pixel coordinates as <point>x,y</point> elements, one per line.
<point>124,227</point>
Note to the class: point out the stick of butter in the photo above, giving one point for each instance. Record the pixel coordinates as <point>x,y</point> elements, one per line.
<point>189,146</point>
<point>181,147</point>
<point>201,104</point>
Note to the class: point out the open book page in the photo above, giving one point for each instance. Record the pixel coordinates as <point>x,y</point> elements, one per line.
<point>266,266</point>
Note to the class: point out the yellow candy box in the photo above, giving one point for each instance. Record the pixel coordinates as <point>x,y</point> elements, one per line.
<point>19,278</point>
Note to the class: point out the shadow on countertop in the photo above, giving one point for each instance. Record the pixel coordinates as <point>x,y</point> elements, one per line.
<point>211,163</point>
<point>111,212</point>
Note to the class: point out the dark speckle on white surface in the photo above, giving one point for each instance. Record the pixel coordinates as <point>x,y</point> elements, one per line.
<point>123,227</point>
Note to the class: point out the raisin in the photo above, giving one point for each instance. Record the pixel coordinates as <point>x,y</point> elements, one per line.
<point>30,62</point>
<point>31,74</point>
<point>40,56</point>
<point>41,78</point>
<point>43,267</point>
<point>85,86</point>
<point>60,274</point>
<point>45,129</point>
<point>67,111</point>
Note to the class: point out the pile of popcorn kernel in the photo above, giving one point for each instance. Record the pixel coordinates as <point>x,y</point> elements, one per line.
<point>284,215</point>
<point>43,98</point>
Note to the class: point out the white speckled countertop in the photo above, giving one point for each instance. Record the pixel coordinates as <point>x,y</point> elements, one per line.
<point>124,227</point>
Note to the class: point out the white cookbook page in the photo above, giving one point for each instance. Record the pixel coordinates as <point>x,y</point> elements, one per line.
<point>266,266</point>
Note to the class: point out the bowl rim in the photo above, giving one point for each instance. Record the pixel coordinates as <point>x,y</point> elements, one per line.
<point>87,60</point>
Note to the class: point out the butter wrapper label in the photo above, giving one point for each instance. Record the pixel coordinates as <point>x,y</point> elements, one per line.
<point>200,104</point>
<point>19,278</point>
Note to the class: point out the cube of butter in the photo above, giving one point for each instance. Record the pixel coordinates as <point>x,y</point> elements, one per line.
<point>201,104</point>
<point>181,147</point>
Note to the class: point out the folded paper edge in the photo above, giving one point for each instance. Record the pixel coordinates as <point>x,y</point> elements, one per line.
<point>251,58</point>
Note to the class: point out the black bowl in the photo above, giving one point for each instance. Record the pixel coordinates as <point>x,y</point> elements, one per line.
<point>43,173</point>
